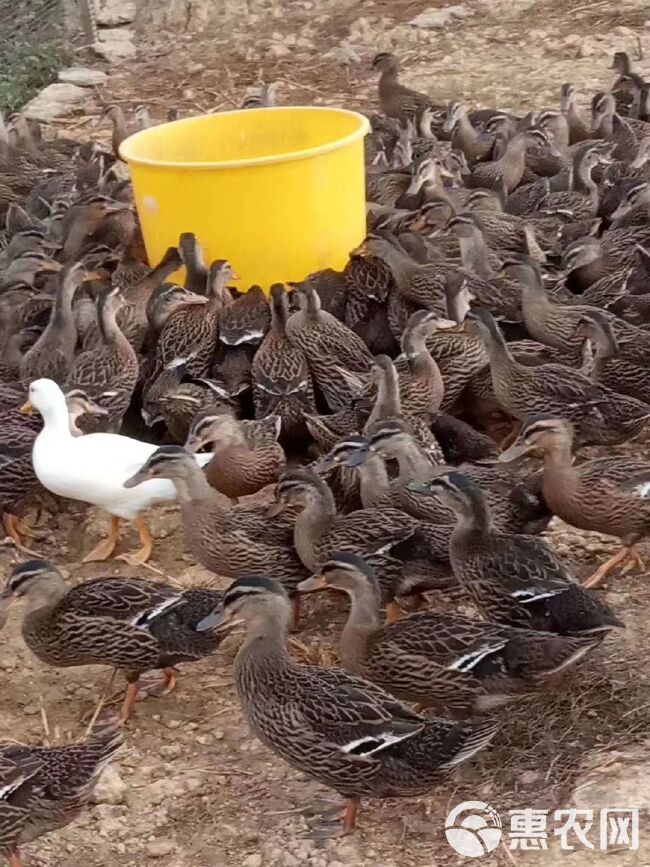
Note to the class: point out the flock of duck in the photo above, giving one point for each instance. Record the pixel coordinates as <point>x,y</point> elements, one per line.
<point>419,414</point>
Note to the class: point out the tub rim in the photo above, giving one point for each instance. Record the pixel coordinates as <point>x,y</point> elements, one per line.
<point>337,144</point>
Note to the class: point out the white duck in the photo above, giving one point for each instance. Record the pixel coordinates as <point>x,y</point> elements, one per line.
<point>93,467</point>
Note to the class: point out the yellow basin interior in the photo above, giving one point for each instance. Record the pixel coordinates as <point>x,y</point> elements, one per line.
<point>279,192</point>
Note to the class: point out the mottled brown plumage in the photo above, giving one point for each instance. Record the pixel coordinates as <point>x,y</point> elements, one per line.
<point>132,624</point>
<point>243,461</point>
<point>282,383</point>
<point>228,540</point>
<point>599,414</point>
<point>513,579</point>
<point>338,728</point>
<point>442,660</point>
<point>609,494</point>
<point>108,373</point>
<point>43,789</point>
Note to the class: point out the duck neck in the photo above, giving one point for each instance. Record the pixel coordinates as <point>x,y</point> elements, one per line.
<point>263,649</point>
<point>108,327</point>
<point>466,136</point>
<point>603,350</point>
<point>387,81</point>
<point>362,623</point>
<point>535,302</point>
<point>582,181</point>
<point>574,121</point>
<point>400,265</point>
<point>279,315</point>
<point>312,306</point>
<point>473,523</point>
<point>474,255</point>
<point>62,308</point>
<point>41,602</point>
<point>387,402</point>
<point>217,291</point>
<point>78,224</point>
<point>120,130</point>
<point>193,485</point>
<point>560,477</point>
<point>55,416</point>
<point>501,361</point>
<point>420,361</point>
<point>412,463</point>
<point>605,128</point>
<point>316,519</point>
<point>515,151</point>
<point>374,483</point>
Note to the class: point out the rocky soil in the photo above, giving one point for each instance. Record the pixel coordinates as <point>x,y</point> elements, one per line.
<point>193,787</point>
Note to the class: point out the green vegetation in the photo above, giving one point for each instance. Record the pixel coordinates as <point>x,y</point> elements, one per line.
<point>30,49</point>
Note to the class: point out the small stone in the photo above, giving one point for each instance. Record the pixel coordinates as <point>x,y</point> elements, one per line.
<point>344,55</point>
<point>31,709</point>
<point>218,735</point>
<point>113,827</point>
<point>110,788</point>
<point>254,860</point>
<point>160,791</point>
<point>174,724</point>
<point>115,45</point>
<point>112,13</point>
<point>160,848</point>
<point>530,778</point>
<point>82,76</point>
<point>55,100</point>
<point>276,49</point>
<point>170,751</point>
<point>435,18</point>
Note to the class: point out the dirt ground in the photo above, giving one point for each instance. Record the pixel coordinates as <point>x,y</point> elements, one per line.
<point>193,787</point>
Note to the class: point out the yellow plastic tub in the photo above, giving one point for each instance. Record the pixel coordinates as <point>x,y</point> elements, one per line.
<point>279,192</point>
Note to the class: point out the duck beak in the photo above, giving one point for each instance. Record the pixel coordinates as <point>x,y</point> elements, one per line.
<point>51,265</point>
<point>137,478</point>
<point>217,621</point>
<point>27,408</point>
<point>446,325</point>
<point>322,465</point>
<point>93,408</point>
<point>191,299</point>
<point>89,276</point>
<point>514,453</point>
<point>276,509</point>
<point>316,582</point>
<point>359,251</point>
<point>234,276</point>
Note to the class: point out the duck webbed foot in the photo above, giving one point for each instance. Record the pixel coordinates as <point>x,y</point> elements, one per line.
<point>105,548</point>
<point>628,557</point>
